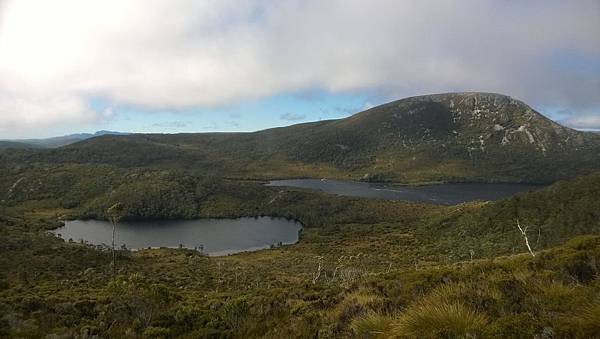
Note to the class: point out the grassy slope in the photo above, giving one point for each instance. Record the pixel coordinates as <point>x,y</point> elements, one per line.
<point>51,287</point>
<point>384,264</point>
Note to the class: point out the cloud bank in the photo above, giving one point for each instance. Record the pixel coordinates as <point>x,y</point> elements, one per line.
<point>591,122</point>
<point>57,56</point>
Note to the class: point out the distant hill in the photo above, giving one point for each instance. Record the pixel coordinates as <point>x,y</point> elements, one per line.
<point>442,137</point>
<point>15,144</point>
<point>60,141</point>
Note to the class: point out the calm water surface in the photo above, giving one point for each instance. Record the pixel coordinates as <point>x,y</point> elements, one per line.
<point>443,194</point>
<point>216,236</point>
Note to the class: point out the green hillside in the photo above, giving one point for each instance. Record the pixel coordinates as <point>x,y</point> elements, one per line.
<point>444,137</point>
<point>388,268</point>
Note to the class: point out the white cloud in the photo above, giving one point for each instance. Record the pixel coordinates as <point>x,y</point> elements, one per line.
<point>590,122</point>
<point>55,55</point>
<point>108,113</point>
<point>23,110</point>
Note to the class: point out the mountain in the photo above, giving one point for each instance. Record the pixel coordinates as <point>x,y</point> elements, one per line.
<point>441,137</point>
<point>55,142</point>
<point>15,144</point>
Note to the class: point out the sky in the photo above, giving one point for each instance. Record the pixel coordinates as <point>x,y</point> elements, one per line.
<point>70,66</point>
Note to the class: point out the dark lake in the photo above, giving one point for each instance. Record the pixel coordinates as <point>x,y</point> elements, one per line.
<point>215,236</point>
<point>443,194</point>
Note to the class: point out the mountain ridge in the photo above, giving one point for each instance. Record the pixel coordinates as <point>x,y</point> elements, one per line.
<point>456,137</point>
<point>54,142</point>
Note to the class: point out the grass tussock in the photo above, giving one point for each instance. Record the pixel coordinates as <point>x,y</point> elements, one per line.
<point>439,320</point>
<point>354,305</point>
<point>373,325</point>
<point>439,314</point>
<point>584,323</point>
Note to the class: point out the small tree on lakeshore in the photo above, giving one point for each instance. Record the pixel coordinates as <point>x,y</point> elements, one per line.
<point>115,213</point>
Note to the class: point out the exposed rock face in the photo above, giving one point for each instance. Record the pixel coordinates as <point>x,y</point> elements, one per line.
<point>502,120</point>
<point>490,135</point>
<point>479,121</point>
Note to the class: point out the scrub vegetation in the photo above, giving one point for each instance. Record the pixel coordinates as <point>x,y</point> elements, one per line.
<point>523,267</point>
<point>362,266</point>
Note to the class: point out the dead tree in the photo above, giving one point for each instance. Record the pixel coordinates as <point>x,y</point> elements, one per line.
<point>524,233</point>
<point>317,274</point>
<point>115,213</point>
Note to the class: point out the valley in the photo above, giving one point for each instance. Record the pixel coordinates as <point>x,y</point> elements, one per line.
<point>376,266</point>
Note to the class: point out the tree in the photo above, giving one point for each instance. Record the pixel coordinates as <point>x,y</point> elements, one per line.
<point>524,233</point>
<point>115,213</point>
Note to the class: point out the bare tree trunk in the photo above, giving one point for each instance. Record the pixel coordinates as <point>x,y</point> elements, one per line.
<point>113,246</point>
<point>115,212</point>
<point>524,233</point>
<point>317,274</point>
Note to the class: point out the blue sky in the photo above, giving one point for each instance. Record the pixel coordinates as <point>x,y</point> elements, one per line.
<point>68,66</point>
<point>247,116</point>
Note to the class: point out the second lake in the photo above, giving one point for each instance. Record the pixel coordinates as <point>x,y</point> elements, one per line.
<point>443,194</point>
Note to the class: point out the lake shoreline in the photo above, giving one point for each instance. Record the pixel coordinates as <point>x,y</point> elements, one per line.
<point>213,237</point>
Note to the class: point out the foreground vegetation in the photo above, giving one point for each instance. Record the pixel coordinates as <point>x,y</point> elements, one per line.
<point>67,289</point>
<point>362,266</point>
